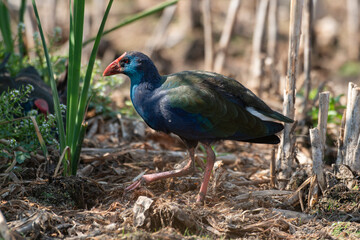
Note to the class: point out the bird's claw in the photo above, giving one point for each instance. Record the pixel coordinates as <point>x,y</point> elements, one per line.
<point>134,185</point>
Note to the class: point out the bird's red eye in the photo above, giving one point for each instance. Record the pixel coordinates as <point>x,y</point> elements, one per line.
<point>126,60</point>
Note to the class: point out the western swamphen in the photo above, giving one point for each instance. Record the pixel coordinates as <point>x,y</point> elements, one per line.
<point>197,106</point>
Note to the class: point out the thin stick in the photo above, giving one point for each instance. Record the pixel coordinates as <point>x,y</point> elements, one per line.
<point>287,145</point>
<point>258,39</point>
<point>340,141</point>
<point>233,9</point>
<point>41,139</point>
<point>308,22</point>
<point>353,28</point>
<point>208,38</point>
<point>272,30</point>
<point>272,169</point>
<point>61,159</point>
<point>271,49</point>
<point>37,156</point>
<point>13,120</point>
<point>13,163</point>
<point>313,195</point>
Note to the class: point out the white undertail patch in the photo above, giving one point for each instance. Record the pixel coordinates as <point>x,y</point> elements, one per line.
<point>254,112</point>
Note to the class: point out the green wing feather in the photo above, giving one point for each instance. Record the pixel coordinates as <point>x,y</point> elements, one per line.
<point>235,91</point>
<point>217,114</point>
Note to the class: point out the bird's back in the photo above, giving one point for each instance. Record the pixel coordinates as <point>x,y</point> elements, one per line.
<point>201,105</point>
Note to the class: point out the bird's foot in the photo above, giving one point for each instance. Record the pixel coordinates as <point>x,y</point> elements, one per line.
<point>147,178</point>
<point>134,185</point>
<point>200,198</point>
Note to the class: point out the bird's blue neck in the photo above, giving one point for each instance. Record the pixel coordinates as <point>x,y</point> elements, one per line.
<point>149,79</point>
<point>143,85</point>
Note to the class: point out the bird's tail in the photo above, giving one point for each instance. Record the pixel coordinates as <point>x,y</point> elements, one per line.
<point>268,138</point>
<point>273,127</point>
<point>272,139</point>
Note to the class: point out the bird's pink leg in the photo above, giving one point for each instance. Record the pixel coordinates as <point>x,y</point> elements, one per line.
<point>209,166</point>
<point>148,178</point>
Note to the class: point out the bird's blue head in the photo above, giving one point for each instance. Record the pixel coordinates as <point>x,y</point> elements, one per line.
<point>135,65</point>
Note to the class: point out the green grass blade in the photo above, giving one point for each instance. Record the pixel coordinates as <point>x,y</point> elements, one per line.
<point>5,26</point>
<point>21,27</point>
<point>136,17</point>
<point>70,84</point>
<point>75,49</point>
<point>85,90</point>
<point>76,155</point>
<point>70,69</point>
<point>87,80</point>
<point>52,82</point>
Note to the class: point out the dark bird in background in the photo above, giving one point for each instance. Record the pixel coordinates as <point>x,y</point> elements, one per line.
<point>41,97</point>
<point>197,106</point>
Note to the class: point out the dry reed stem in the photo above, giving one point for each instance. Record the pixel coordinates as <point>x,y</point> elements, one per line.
<point>323,116</point>
<point>287,145</point>
<point>352,128</point>
<point>272,31</point>
<point>233,9</point>
<point>308,28</point>
<point>257,43</point>
<point>317,156</point>
<point>353,28</point>
<point>208,38</point>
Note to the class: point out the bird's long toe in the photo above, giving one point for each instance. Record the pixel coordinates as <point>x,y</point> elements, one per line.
<point>134,185</point>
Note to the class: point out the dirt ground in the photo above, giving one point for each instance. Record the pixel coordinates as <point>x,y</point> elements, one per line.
<point>240,203</point>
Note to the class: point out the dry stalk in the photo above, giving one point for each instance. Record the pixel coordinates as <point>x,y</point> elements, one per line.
<point>353,28</point>
<point>208,38</point>
<point>308,29</point>
<point>317,156</point>
<point>258,39</point>
<point>287,145</point>
<point>340,141</point>
<point>271,49</point>
<point>313,195</point>
<point>352,128</point>
<point>294,198</point>
<point>272,169</point>
<point>61,159</point>
<point>272,30</point>
<point>233,9</point>
<point>322,119</point>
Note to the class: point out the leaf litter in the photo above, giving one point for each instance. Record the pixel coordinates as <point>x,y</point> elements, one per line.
<point>240,202</point>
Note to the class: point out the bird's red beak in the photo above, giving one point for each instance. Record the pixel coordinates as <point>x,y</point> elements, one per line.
<point>42,105</point>
<point>114,67</point>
